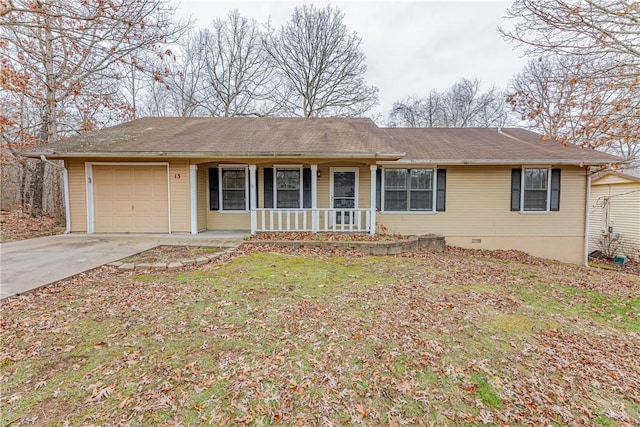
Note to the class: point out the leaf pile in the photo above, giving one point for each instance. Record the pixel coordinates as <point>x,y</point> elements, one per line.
<point>328,237</point>
<point>307,336</point>
<point>17,226</point>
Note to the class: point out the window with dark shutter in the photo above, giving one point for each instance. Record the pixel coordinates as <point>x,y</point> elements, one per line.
<point>535,190</point>
<point>408,190</point>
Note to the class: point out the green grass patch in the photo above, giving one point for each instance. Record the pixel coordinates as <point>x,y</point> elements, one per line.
<point>486,393</point>
<point>276,338</point>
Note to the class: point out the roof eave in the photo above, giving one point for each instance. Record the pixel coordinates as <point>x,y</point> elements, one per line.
<point>51,154</point>
<point>505,162</point>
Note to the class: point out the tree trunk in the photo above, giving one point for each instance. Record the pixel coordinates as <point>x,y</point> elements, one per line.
<point>37,189</point>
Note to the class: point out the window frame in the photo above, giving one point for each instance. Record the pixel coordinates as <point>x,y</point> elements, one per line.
<point>433,189</point>
<point>221,189</point>
<point>523,190</point>
<point>299,168</point>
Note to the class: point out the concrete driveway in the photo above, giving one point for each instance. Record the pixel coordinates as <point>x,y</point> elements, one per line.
<point>29,264</point>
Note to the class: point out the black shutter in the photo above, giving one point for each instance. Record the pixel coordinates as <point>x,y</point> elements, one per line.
<point>268,187</point>
<point>214,202</point>
<point>555,189</point>
<point>306,187</point>
<point>379,189</point>
<point>516,179</point>
<point>441,195</point>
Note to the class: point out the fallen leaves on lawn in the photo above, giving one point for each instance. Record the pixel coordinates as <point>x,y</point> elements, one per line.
<point>401,350</point>
<point>99,393</point>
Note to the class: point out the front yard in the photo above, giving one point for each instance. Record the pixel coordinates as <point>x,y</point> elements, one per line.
<point>312,337</point>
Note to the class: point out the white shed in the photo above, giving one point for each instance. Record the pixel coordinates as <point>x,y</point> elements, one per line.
<point>615,214</point>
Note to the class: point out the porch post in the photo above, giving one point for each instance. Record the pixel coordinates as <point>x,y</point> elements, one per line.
<point>253,194</point>
<point>193,182</point>
<point>314,196</point>
<point>372,229</point>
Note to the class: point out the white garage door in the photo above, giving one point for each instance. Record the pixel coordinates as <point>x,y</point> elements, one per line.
<point>130,199</point>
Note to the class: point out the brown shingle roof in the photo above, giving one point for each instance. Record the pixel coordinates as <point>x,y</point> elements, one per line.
<point>488,146</point>
<point>253,137</point>
<point>238,136</point>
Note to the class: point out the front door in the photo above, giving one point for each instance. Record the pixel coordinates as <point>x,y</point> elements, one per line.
<point>344,194</point>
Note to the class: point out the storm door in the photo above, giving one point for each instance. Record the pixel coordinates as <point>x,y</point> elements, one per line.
<point>344,193</point>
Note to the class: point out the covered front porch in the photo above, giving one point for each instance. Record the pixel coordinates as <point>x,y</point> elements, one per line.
<point>315,220</point>
<point>284,197</point>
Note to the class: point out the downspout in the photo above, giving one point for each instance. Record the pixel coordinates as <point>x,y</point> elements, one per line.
<point>587,216</point>
<point>65,184</point>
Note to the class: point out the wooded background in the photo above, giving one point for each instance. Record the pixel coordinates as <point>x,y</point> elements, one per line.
<point>68,67</point>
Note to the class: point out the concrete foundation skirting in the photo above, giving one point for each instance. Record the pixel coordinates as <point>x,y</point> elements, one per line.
<point>391,247</point>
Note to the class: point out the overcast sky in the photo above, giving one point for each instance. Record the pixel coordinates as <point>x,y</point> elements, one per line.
<point>412,47</point>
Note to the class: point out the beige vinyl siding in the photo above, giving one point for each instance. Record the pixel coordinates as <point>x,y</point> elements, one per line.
<point>77,195</point>
<point>615,202</point>
<point>611,179</point>
<point>322,193</point>
<point>217,220</point>
<point>478,209</point>
<point>203,201</point>
<point>180,196</point>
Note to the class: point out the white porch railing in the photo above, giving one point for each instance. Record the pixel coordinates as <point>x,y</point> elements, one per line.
<point>314,220</point>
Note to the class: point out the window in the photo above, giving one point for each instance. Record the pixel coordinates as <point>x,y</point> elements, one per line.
<point>234,194</point>
<point>535,190</point>
<point>228,189</point>
<point>408,189</point>
<point>288,185</point>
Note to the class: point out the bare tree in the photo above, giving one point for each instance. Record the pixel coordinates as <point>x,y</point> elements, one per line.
<point>222,71</point>
<point>180,91</point>
<point>603,37</point>
<point>418,112</point>
<point>321,65</point>
<point>462,105</point>
<point>61,61</point>
<point>552,96</point>
<point>237,69</point>
<point>603,31</point>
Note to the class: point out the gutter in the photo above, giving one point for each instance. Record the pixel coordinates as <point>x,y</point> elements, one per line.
<point>65,182</point>
<point>490,162</point>
<point>200,154</point>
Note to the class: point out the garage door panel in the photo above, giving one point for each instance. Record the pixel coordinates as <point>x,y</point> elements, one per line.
<point>121,207</point>
<point>130,199</point>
